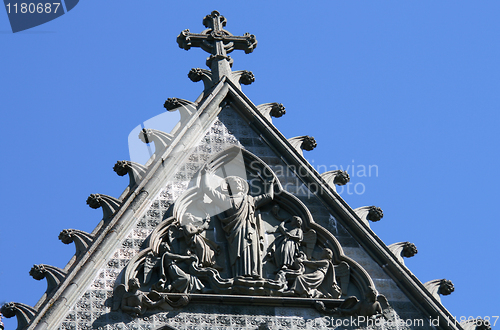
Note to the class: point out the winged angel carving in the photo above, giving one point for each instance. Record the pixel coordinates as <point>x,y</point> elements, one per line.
<point>236,231</point>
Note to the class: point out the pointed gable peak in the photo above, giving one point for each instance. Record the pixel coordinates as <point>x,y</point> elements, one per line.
<point>218,42</point>
<point>227,212</point>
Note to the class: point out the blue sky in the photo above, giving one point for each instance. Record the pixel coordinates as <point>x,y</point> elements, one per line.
<point>410,87</point>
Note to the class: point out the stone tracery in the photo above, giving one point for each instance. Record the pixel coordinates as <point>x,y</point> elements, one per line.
<point>288,255</point>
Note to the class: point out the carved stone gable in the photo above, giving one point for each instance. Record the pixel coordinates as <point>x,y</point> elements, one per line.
<point>273,243</point>
<point>227,226</point>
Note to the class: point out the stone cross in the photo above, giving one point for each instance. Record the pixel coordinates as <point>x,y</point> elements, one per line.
<point>218,42</point>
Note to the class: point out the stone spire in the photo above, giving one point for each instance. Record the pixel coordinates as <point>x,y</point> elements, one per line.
<point>218,42</point>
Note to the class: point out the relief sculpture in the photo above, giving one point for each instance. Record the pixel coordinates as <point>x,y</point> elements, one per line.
<point>320,283</point>
<point>288,243</point>
<point>133,301</point>
<point>204,249</point>
<point>174,278</point>
<point>235,231</point>
<point>239,221</point>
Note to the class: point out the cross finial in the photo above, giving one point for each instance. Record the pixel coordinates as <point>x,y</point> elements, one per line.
<point>218,42</point>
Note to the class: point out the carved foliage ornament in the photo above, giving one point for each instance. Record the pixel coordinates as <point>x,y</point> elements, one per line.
<point>403,250</point>
<point>277,110</point>
<point>135,171</point>
<point>54,275</point>
<point>269,110</point>
<point>81,239</point>
<point>172,103</point>
<point>109,204</point>
<point>409,250</point>
<point>196,74</point>
<point>305,142</point>
<point>439,287</point>
<point>121,167</point>
<point>336,177</point>
<point>446,287</point>
<point>246,77</point>
<point>9,310</point>
<point>161,139</point>
<point>237,232</point>
<point>24,313</point>
<point>308,143</point>
<point>94,201</point>
<point>38,272</point>
<point>369,213</point>
<point>375,214</point>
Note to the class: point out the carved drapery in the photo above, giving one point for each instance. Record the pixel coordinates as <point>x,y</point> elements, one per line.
<point>183,255</point>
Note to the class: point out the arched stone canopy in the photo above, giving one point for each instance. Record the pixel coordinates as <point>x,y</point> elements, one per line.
<point>193,205</point>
